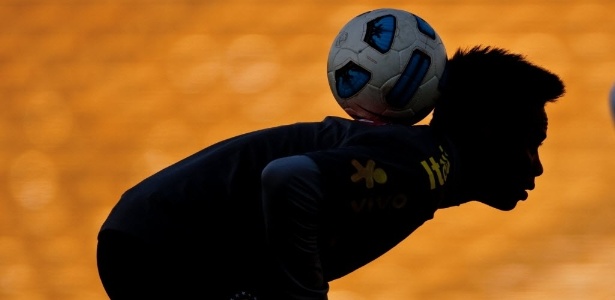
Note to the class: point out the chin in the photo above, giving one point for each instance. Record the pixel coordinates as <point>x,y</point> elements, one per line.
<point>505,202</point>
<point>503,205</point>
<point>506,207</point>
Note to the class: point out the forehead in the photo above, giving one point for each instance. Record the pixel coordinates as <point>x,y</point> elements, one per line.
<point>538,120</point>
<point>515,121</point>
<point>532,125</point>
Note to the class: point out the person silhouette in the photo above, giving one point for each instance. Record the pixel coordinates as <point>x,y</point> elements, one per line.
<point>280,212</point>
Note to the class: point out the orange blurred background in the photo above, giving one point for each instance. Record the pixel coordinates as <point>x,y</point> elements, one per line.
<point>98,94</point>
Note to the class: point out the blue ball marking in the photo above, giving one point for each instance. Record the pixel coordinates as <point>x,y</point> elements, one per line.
<point>425,28</point>
<point>350,79</point>
<point>380,33</point>
<point>410,80</point>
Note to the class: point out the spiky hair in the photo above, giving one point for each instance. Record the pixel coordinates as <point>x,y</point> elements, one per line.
<point>492,85</point>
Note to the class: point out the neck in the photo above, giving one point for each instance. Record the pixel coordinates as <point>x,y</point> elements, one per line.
<point>454,193</point>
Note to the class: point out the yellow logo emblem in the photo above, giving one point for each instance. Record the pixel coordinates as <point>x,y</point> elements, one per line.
<point>369,172</point>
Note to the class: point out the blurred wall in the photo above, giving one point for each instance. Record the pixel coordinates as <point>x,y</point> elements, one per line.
<point>98,94</point>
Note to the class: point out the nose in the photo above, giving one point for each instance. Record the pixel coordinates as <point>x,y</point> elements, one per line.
<point>537,165</point>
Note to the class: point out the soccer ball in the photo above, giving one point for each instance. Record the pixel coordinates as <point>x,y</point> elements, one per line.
<point>386,65</point>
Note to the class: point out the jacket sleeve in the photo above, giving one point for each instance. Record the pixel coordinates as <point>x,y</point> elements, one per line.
<point>373,199</point>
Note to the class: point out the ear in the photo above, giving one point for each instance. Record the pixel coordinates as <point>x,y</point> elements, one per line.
<point>480,134</point>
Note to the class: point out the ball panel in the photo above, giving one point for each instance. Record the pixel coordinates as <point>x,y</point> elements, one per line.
<point>342,57</point>
<point>382,66</point>
<point>350,79</point>
<point>410,80</point>
<point>425,28</point>
<point>364,106</point>
<point>380,33</point>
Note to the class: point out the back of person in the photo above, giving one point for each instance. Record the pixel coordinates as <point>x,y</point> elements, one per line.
<point>205,211</point>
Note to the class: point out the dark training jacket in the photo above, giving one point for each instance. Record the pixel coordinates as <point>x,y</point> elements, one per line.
<point>380,183</point>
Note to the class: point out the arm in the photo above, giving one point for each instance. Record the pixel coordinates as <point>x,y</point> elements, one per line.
<point>291,204</point>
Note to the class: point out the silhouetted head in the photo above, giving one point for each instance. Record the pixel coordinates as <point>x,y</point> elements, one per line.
<point>492,108</point>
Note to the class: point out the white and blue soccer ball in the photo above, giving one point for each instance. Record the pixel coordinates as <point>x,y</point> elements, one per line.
<point>386,65</point>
